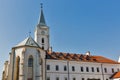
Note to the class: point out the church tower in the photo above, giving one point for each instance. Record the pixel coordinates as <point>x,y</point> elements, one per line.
<point>42,32</point>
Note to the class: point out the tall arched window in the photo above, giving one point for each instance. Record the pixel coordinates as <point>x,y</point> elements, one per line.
<point>17,68</point>
<point>30,68</point>
<point>30,61</point>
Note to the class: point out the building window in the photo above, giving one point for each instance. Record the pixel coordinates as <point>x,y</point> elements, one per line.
<point>73,68</point>
<point>30,61</point>
<point>74,78</point>
<point>43,47</point>
<point>48,67</point>
<point>105,69</point>
<point>30,68</point>
<point>92,69</point>
<point>48,78</point>
<point>87,69</point>
<point>57,67</point>
<point>112,70</point>
<point>81,69</point>
<point>57,78</point>
<point>83,79</point>
<point>97,69</point>
<point>65,78</point>
<point>65,68</point>
<point>42,40</point>
<point>118,69</point>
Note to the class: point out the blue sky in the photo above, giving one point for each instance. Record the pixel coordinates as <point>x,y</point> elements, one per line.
<point>76,26</point>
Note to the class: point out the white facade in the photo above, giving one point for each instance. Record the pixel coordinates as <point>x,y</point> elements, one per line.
<point>77,73</point>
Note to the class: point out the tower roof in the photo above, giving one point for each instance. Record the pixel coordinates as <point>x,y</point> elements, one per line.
<point>41,21</point>
<point>28,42</point>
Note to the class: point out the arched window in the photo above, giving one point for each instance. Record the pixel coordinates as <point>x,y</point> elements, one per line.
<point>42,40</point>
<point>17,68</point>
<point>30,68</point>
<point>30,61</point>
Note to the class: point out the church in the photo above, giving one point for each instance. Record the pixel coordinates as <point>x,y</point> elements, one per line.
<point>33,59</point>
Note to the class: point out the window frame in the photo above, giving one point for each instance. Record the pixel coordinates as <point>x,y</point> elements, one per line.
<point>113,70</point>
<point>65,68</point>
<point>82,69</point>
<point>73,68</point>
<point>48,67</point>
<point>30,61</point>
<point>87,69</point>
<point>57,68</point>
<point>93,69</point>
<point>98,69</point>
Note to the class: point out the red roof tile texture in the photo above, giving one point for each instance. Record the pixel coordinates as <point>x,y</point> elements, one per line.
<point>78,57</point>
<point>116,75</point>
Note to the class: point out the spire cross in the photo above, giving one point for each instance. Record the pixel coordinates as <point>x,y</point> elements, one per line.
<point>41,5</point>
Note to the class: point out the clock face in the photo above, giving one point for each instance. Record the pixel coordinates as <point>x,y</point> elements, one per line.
<point>42,32</point>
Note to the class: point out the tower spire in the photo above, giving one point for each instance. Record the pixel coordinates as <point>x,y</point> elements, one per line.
<point>41,5</point>
<point>41,21</point>
<point>42,32</point>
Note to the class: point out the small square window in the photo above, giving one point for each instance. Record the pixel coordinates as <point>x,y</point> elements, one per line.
<point>57,78</point>
<point>82,69</point>
<point>112,70</point>
<point>65,68</point>
<point>48,67</point>
<point>57,67</point>
<point>92,69</point>
<point>118,69</point>
<point>73,68</point>
<point>87,69</point>
<point>48,78</point>
<point>97,69</point>
<point>74,78</point>
<point>105,69</point>
<point>65,78</point>
<point>83,79</point>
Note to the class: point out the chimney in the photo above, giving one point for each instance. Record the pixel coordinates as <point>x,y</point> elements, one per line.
<point>88,53</point>
<point>119,59</point>
<point>50,50</point>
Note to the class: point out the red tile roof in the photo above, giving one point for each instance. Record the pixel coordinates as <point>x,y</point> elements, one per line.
<point>78,57</point>
<point>116,75</point>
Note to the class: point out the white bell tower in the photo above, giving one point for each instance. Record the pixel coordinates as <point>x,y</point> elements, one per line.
<point>42,32</point>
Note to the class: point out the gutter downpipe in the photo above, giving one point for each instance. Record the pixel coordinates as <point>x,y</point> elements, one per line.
<point>68,70</point>
<point>102,70</point>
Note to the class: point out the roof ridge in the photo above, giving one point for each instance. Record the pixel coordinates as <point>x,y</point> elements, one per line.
<point>29,41</point>
<point>80,57</point>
